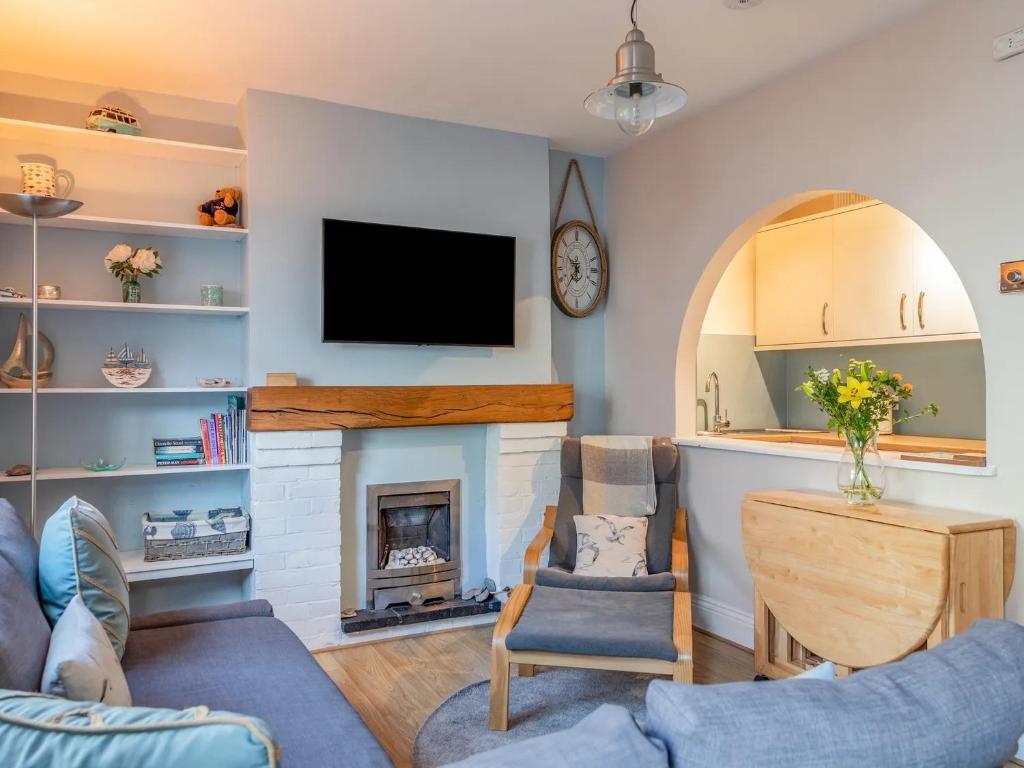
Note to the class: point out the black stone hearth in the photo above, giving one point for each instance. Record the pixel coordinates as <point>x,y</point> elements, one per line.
<point>401,615</point>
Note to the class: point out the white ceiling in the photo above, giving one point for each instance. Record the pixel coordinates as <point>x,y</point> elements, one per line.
<point>517,65</point>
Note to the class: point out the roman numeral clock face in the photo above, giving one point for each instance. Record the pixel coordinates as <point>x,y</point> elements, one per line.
<point>579,269</point>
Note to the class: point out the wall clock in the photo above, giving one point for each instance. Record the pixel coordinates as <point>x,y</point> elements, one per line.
<point>579,264</point>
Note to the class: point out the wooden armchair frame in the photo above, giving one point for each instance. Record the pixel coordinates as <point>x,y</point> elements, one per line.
<point>502,658</point>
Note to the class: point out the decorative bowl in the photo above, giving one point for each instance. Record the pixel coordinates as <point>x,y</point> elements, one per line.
<point>127,378</point>
<point>102,466</point>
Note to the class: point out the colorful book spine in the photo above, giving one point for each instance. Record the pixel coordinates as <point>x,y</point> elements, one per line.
<point>220,438</point>
<point>178,456</point>
<point>179,462</point>
<point>204,427</point>
<point>170,450</point>
<point>162,442</point>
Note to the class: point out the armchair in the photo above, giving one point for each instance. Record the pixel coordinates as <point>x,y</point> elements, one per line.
<point>629,624</point>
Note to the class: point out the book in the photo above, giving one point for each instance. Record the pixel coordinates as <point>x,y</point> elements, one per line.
<point>221,448</point>
<point>179,462</point>
<point>161,442</point>
<point>178,456</point>
<point>173,449</point>
<point>204,427</point>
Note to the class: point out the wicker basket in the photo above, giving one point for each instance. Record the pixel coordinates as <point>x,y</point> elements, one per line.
<point>186,534</point>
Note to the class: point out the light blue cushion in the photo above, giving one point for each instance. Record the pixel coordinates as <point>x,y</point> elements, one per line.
<point>81,664</point>
<point>78,556</point>
<point>38,731</point>
<point>959,705</point>
<point>824,671</point>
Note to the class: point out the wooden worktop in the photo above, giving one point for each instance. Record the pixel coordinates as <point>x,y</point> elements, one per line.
<point>898,443</point>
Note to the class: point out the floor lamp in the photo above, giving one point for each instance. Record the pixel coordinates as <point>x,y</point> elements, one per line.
<point>36,207</point>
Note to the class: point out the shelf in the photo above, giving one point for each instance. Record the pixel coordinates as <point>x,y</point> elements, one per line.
<point>139,570</point>
<point>117,391</point>
<point>138,470</point>
<point>83,305</point>
<point>133,226</point>
<point>116,143</point>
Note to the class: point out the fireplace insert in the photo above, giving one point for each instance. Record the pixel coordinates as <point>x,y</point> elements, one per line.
<point>412,543</point>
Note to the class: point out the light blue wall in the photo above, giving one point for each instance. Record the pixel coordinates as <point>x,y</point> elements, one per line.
<point>577,344</point>
<point>311,159</point>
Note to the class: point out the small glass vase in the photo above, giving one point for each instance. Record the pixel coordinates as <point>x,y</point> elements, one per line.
<point>131,292</point>
<point>861,476</point>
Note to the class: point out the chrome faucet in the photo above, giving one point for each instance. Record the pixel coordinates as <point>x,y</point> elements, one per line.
<point>703,404</point>
<point>720,423</point>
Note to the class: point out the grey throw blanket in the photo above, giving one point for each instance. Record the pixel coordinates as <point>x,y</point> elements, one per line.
<point>618,475</point>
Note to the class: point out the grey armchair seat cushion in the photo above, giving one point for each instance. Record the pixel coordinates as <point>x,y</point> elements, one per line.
<point>960,705</point>
<point>596,623</point>
<point>563,579</point>
<point>608,736</point>
<point>256,666</point>
<point>203,613</point>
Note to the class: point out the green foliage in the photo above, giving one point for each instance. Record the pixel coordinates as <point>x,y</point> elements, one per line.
<point>855,407</point>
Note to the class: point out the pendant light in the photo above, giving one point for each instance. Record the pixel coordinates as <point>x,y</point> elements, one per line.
<point>637,95</point>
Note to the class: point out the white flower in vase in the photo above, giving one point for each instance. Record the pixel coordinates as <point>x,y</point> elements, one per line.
<point>146,261</point>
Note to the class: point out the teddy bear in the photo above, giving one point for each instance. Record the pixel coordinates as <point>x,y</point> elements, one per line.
<point>222,210</point>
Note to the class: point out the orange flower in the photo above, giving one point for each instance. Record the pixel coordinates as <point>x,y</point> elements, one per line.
<point>908,387</point>
<point>897,377</point>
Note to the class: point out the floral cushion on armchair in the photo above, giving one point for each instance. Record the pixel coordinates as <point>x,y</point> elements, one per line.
<point>608,545</point>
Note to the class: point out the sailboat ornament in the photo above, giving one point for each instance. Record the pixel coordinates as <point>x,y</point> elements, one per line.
<point>16,372</point>
<point>126,370</point>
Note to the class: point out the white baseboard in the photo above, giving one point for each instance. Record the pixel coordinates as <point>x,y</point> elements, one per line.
<point>723,620</point>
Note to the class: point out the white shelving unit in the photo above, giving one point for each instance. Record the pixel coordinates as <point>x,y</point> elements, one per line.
<point>170,177</point>
<point>139,570</point>
<point>82,305</point>
<point>132,226</point>
<point>137,470</point>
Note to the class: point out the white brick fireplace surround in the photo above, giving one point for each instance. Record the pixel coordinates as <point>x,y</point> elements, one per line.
<point>296,516</point>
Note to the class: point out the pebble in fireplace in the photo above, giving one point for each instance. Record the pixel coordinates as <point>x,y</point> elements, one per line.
<point>410,556</point>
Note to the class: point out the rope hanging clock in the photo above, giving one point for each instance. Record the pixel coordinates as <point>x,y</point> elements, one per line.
<point>579,264</point>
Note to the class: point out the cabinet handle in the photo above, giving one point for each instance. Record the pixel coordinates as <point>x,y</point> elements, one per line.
<point>903,306</point>
<point>824,313</point>
<point>920,310</point>
<point>962,597</point>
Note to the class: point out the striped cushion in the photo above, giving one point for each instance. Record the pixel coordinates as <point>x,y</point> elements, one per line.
<point>78,556</point>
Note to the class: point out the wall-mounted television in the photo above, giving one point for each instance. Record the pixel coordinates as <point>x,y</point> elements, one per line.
<point>386,284</point>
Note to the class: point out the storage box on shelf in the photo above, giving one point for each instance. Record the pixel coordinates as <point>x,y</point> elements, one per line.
<point>134,188</point>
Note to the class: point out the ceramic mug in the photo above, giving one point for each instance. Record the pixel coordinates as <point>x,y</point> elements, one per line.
<point>42,178</point>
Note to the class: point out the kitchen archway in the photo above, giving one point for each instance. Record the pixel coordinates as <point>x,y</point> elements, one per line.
<point>813,280</point>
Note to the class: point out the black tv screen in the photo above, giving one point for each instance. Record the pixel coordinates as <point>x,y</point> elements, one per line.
<point>385,284</point>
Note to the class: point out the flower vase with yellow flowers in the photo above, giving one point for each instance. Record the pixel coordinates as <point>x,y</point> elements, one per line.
<point>855,407</point>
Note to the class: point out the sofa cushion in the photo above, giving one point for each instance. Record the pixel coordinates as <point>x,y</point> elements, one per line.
<point>17,546</point>
<point>255,666</point>
<point>608,736</point>
<point>561,578</point>
<point>960,705</point>
<point>78,556</point>
<point>24,633</point>
<point>38,731</point>
<point>81,664</point>
<point>630,624</point>
<point>202,613</point>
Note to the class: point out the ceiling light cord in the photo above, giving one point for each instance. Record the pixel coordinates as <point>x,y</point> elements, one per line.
<point>632,14</point>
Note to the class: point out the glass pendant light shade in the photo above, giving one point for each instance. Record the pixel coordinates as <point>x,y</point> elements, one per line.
<point>637,95</point>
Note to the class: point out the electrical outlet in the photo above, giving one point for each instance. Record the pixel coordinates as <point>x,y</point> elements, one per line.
<point>1010,44</point>
<point>1011,276</point>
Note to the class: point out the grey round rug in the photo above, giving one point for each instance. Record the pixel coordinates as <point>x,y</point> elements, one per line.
<point>552,700</point>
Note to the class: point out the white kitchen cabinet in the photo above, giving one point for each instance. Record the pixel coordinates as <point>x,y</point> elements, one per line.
<point>874,273</point>
<point>940,303</point>
<point>793,284</point>
<point>867,275</point>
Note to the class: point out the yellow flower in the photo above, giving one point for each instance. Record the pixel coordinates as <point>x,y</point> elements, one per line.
<point>855,392</point>
<point>897,377</point>
<point>908,387</point>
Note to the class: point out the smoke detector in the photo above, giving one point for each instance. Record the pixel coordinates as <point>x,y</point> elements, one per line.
<point>741,5</point>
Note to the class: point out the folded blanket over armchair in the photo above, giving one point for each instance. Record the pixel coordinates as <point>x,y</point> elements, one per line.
<point>618,475</point>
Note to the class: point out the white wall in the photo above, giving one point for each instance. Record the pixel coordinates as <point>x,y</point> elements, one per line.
<point>918,116</point>
<point>731,309</point>
<point>311,159</point>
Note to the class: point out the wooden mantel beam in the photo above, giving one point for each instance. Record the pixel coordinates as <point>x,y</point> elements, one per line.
<point>279,409</point>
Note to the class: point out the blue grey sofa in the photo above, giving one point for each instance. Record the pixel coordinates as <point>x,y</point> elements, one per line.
<point>237,658</point>
<point>959,705</point>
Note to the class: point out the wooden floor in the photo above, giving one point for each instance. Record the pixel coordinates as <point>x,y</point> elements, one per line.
<point>396,684</point>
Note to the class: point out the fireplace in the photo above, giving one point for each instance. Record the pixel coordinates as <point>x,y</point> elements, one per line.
<point>412,543</point>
